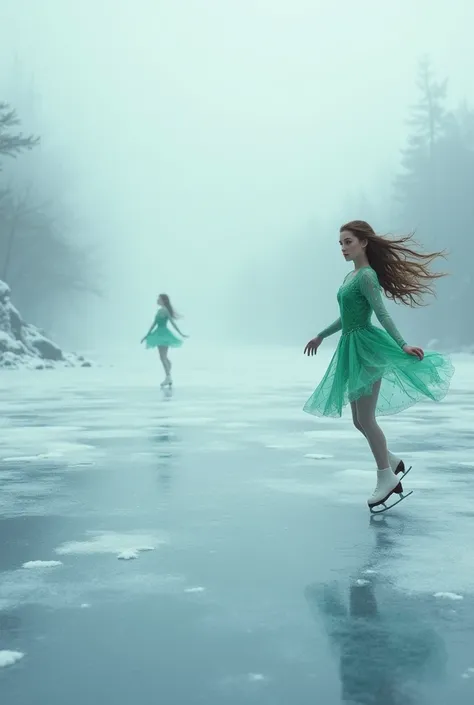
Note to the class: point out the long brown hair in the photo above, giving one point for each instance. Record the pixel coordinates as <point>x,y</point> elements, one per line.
<point>167,304</point>
<point>403,271</point>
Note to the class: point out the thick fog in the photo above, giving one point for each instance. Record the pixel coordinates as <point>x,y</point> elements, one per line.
<point>192,145</point>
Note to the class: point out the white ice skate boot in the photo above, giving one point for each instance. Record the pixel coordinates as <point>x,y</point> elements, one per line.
<point>167,382</point>
<point>387,481</point>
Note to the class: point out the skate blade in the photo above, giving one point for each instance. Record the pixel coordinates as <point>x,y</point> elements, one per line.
<point>383,507</point>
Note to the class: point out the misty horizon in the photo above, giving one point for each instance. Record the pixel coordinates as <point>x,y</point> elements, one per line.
<point>191,142</point>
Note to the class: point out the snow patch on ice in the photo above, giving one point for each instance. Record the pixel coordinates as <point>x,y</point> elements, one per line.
<point>243,680</point>
<point>26,458</point>
<point>318,456</point>
<point>8,658</point>
<point>41,564</point>
<point>198,588</point>
<point>448,596</point>
<point>468,673</point>
<point>128,555</point>
<point>122,545</point>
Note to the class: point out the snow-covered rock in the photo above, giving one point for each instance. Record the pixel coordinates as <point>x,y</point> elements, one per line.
<point>24,345</point>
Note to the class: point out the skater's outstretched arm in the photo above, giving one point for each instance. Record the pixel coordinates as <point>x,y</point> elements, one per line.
<point>313,345</point>
<point>330,330</point>
<point>371,289</point>
<point>177,329</point>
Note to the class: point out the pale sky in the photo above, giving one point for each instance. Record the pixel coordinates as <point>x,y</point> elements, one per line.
<point>200,133</point>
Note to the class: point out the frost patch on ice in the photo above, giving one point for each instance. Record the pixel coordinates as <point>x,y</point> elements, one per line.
<point>121,545</point>
<point>8,658</point>
<point>21,587</point>
<point>355,472</point>
<point>469,673</point>
<point>448,596</point>
<point>25,458</point>
<point>318,456</point>
<point>41,564</point>
<point>55,450</point>
<point>243,680</point>
<point>198,588</point>
<point>128,555</point>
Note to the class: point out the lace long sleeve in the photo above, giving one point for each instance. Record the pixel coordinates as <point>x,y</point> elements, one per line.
<point>371,289</point>
<point>330,330</point>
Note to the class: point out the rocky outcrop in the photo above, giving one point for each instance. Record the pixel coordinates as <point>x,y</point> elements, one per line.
<point>24,345</point>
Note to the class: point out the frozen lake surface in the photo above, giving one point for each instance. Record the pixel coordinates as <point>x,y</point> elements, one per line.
<point>214,546</point>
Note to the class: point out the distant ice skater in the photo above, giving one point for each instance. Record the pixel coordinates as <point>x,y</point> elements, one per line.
<point>159,336</point>
<point>372,369</point>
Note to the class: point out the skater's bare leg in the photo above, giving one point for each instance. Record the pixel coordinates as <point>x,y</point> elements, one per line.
<point>393,459</point>
<point>387,481</point>
<point>365,407</point>
<point>163,352</point>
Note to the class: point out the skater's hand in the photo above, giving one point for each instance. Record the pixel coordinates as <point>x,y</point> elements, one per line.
<point>312,347</point>
<point>417,352</point>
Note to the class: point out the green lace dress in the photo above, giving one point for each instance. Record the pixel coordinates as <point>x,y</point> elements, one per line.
<point>161,336</point>
<point>366,354</point>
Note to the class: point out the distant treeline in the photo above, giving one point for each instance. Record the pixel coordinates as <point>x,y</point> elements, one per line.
<point>432,194</point>
<point>41,256</point>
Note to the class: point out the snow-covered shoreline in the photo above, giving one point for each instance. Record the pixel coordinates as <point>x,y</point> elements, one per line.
<point>23,346</point>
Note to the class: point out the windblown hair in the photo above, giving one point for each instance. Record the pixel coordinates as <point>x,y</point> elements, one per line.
<point>167,304</point>
<point>403,271</point>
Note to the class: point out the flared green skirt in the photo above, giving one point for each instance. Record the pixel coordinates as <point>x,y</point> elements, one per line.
<point>162,337</point>
<point>367,355</point>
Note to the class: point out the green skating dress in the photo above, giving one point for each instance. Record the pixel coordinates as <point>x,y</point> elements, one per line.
<point>161,336</point>
<point>366,354</point>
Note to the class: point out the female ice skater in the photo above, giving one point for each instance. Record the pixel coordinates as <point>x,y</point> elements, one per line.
<point>159,336</point>
<point>373,369</point>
